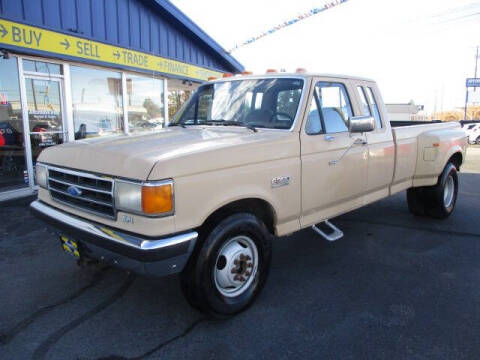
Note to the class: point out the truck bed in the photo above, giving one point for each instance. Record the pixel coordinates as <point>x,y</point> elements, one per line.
<point>415,155</point>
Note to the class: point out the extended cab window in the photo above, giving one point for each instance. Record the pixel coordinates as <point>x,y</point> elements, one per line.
<point>373,104</point>
<point>264,103</point>
<point>335,108</point>
<point>363,102</point>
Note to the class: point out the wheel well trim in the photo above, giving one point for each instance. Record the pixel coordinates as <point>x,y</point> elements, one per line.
<point>454,152</point>
<point>231,202</point>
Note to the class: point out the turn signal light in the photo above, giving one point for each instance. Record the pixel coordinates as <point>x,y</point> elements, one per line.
<point>157,199</point>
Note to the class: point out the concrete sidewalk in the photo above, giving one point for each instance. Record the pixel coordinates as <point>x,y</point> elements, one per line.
<point>472,163</point>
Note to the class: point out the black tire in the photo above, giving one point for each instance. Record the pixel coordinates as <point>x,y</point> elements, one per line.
<point>435,204</point>
<point>429,200</point>
<point>198,282</point>
<point>477,141</point>
<point>416,201</point>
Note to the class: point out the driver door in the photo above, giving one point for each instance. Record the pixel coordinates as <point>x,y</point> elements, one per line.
<point>334,162</point>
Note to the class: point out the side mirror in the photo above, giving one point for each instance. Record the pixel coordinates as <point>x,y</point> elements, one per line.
<point>360,124</point>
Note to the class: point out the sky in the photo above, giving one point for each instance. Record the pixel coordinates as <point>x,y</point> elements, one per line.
<point>420,50</point>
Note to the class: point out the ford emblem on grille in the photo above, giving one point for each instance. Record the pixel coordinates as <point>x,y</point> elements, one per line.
<point>74,191</point>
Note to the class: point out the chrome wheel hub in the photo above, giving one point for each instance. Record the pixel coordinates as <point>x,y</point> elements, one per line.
<point>236,266</point>
<point>448,191</point>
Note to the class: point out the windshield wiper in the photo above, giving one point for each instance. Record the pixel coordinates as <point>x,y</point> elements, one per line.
<point>231,123</point>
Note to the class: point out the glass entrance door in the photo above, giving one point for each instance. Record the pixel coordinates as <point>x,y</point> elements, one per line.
<point>13,166</point>
<point>45,113</point>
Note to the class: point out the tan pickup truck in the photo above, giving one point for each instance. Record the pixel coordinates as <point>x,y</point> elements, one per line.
<point>248,158</point>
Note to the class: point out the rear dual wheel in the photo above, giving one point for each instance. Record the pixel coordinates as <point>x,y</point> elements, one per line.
<point>436,201</point>
<point>230,267</point>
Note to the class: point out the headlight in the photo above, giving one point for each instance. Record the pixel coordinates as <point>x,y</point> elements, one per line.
<point>41,175</point>
<point>152,198</point>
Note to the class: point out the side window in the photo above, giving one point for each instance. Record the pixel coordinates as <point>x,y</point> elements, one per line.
<point>314,124</point>
<point>205,101</point>
<point>363,102</point>
<point>199,109</point>
<point>373,103</point>
<point>335,107</point>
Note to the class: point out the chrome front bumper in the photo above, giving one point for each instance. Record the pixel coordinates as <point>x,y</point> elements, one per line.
<point>152,256</point>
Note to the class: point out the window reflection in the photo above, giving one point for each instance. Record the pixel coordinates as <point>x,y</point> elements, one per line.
<point>145,103</point>
<point>268,103</point>
<point>176,99</point>
<point>12,151</point>
<point>334,106</point>
<point>42,67</point>
<point>45,116</point>
<point>43,100</point>
<point>96,102</point>
<point>363,99</point>
<point>373,103</point>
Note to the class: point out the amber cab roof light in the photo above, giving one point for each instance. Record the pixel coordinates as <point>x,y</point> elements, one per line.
<point>301,70</point>
<point>210,78</point>
<point>227,75</point>
<point>247,73</point>
<point>271,71</point>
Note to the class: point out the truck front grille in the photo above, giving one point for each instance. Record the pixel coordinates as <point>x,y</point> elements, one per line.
<point>82,190</point>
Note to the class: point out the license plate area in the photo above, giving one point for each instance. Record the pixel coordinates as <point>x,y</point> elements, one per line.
<point>70,246</point>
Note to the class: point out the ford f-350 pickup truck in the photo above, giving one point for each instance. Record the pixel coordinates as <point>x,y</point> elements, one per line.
<point>246,159</point>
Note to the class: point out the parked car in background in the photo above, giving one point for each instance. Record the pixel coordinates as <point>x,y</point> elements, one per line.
<point>473,133</point>
<point>247,158</point>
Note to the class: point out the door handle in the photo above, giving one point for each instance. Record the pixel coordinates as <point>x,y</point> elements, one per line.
<point>329,138</point>
<point>360,141</point>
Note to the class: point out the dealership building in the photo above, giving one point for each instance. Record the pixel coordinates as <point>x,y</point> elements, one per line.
<point>74,69</point>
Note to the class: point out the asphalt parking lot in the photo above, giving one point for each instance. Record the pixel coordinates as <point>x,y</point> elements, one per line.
<point>395,287</point>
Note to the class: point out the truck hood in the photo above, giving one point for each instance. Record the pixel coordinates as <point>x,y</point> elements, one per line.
<point>168,153</point>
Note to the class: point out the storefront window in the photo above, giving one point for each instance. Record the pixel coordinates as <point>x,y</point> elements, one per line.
<point>12,150</point>
<point>97,102</point>
<point>42,67</point>
<point>145,103</point>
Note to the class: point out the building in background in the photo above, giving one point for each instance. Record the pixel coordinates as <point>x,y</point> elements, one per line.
<point>74,69</point>
<point>405,112</point>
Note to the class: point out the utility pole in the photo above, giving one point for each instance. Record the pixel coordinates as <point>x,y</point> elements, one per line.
<point>474,88</point>
<point>476,67</point>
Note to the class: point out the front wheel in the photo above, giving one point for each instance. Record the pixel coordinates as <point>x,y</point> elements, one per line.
<point>230,268</point>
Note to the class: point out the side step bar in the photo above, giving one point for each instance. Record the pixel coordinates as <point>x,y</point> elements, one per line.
<point>335,233</point>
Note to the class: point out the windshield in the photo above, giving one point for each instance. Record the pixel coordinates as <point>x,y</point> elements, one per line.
<point>265,103</point>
